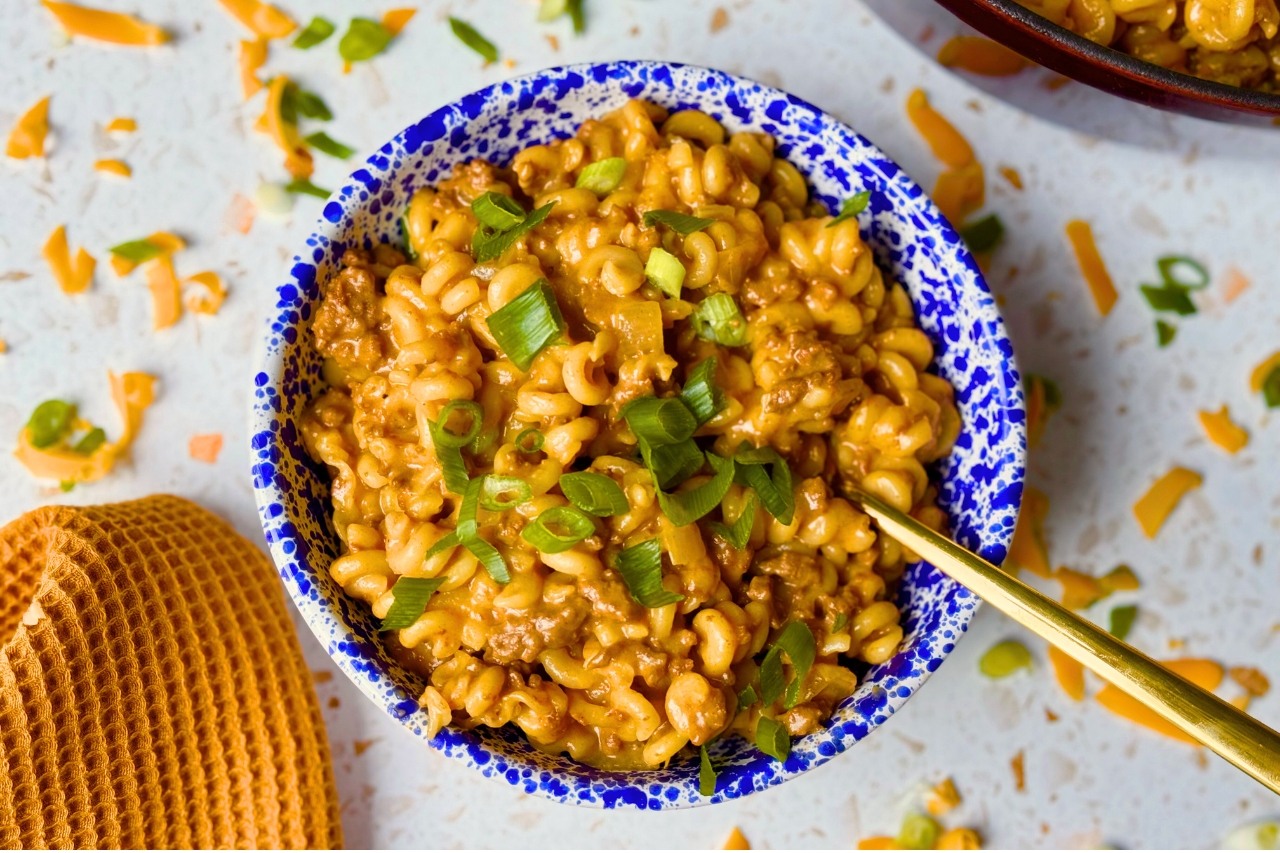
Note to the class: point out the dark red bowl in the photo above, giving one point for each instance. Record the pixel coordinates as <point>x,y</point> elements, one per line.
<point>1074,56</point>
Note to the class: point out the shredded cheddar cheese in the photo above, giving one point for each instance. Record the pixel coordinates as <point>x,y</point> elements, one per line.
<point>1222,431</point>
<point>122,125</point>
<point>112,27</point>
<point>1092,266</point>
<point>1078,589</point>
<point>163,284</point>
<point>252,56</point>
<point>113,167</point>
<point>132,394</point>
<point>736,841</point>
<point>211,301</point>
<point>1203,673</point>
<point>1262,371</point>
<point>264,19</point>
<point>1251,680</point>
<point>72,276</point>
<point>28,135</point>
<point>1028,551</point>
<point>1011,175</point>
<point>1234,283</point>
<point>395,20</point>
<point>1154,507</point>
<point>982,56</point>
<point>297,158</point>
<point>1069,672</point>
<point>205,448</point>
<point>947,143</point>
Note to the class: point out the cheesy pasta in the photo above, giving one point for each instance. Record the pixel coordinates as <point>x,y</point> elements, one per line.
<point>582,432</point>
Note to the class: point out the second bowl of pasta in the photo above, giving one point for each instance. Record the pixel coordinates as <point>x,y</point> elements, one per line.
<point>557,410</point>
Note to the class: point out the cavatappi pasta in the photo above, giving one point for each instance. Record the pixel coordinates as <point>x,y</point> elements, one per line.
<point>1230,41</point>
<point>816,356</point>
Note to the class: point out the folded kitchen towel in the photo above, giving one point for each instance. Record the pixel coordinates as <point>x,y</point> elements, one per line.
<point>152,689</point>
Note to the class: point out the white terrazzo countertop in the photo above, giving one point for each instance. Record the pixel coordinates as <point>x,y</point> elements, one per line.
<point>1150,183</point>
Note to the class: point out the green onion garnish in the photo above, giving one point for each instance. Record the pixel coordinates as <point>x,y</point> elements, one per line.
<point>490,558</point>
<point>747,697</point>
<point>740,533</point>
<point>687,507</point>
<point>641,570</point>
<point>1122,619</point>
<point>575,15</point>
<point>984,234</point>
<point>1271,389</point>
<point>842,619</point>
<point>449,444</point>
<point>482,442</point>
<point>137,251</point>
<point>558,529</point>
<point>449,438</point>
<point>701,394</point>
<point>919,832</point>
<point>772,739</point>
<point>665,272</point>
<point>525,325</point>
<point>1169,297</point>
<point>451,540</point>
<point>718,319</point>
<point>309,105</point>
<point>409,251</point>
<point>1004,659</point>
<point>681,223</point>
<point>410,602</point>
<point>529,440</point>
<point>603,176</point>
<point>672,464</point>
<point>317,31</point>
<point>325,144</point>
<point>594,494</point>
<point>659,420</point>
<point>552,9</point>
<point>1169,266</point>
<point>364,39</point>
<point>487,244</point>
<point>468,533</point>
<point>49,422</point>
<point>501,493</point>
<point>797,641</point>
<point>67,485</point>
<point>773,486</point>
<point>851,208</point>
<point>498,211</point>
<point>1052,394</point>
<point>706,773</point>
<point>1165,333</point>
<point>93,439</point>
<point>467,35</point>
<point>305,187</point>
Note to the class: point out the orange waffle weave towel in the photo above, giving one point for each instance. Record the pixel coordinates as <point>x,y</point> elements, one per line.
<point>152,690</point>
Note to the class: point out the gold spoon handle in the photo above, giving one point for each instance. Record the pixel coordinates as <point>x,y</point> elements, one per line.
<point>1228,731</point>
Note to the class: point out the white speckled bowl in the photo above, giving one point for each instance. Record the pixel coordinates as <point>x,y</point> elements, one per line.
<point>981,482</point>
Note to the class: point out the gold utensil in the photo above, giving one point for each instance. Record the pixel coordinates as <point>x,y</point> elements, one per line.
<point>1225,729</point>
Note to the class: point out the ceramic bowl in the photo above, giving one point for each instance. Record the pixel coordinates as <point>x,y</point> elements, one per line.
<point>981,482</point>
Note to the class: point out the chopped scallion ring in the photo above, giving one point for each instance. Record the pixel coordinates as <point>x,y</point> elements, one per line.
<point>92,440</point>
<point>672,464</point>
<point>706,773</point>
<point>468,35</point>
<point>659,420</point>
<point>594,494</point>
<point>719,320</point>
<point>641,570</point>
<point>558,529</point>
<point>317,31</point>
<point>305,187</point>
<point>1171,264</point>
<point>322,142</point>
<point>687,507</point>
<point>364,39</point>
<point>851,208</point>
<point>740,533</point>
<point>603,176</point>
<point>137,251</point>
<point>701,394</point>
<point>460,439</point>
<point>1169,297</point>
<point>487,244</point>
<point>498,211</point>
<point>682,223</point>
<point>773,486</point>
<point>410,596</point>
<point>772,739</point>
<point>1165,333</point>
<point>500,493</point>
<point>665,272</point>
<point>525,325</point>
<point>529,440</point>
<point>490,558</point>
<point>984,234</point>
<point>50,422</point>
<point>747,697</point>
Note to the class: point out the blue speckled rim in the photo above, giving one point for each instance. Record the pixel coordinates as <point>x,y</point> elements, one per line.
<point>981,481</point>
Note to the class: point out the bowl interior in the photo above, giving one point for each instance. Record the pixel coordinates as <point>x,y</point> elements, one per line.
<point>981,482</point>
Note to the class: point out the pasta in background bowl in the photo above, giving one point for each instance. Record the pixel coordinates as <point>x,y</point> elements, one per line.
<point>979,483</point>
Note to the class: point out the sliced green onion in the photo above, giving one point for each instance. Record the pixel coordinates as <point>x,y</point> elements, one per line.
<point>1169,266</point>
<point>558,529</point>
<point>1165,333</point>
<point>687,507</point>
<point>490,558</point>
<point>317,31</point>
<point>706,773</point>
<point>594,494</point>
<point>773,486</point>
<point>468,513</point>
<point>719,320</point>
<point>483,441</point>
<point>364,39</point>
<point>641,570</point>
<point>575,15</point>
<point>701,394</point>
<point>1004,659</point>
<point>310,105</point>
<point>498,211</point>
<point>740,533</point>
<point>772,739</point>
<point>530,440</point>
<point>659,420</point>
<point>603,176</point>
<point>452,465</point>
<point>681,223</point>
<point>467,35</point>
<point>409,602</point>
<point>1052,394</point>
<point>665,272</point>
<point>460,439</point>
<point>1170,297</point>
<point>984,234</point>
<point>49,422</point>
<point>501,493</point>
<point>136,251</point>
<point>552,9</point>
<point>525,325</point>
<point>305,187</point>
<point>797,641</point>
<point>1122,619</point>
<point>452,540</point>
<point>409,251</point>
<point>1271,389</point>
<point>67,485</point>
<point>919,832</point>
<point>93,439</point>
<point>487,244</point>
<point>747,697</point>
<point>842,619</point>
<point>851,208</point>
<point>325,144</point>
<point>672,464</point>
